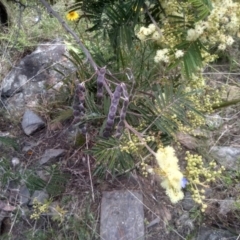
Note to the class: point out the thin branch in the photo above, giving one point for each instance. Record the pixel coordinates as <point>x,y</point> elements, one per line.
<point>89,169</point>
<point>69,30</point>
<point>153,20</point>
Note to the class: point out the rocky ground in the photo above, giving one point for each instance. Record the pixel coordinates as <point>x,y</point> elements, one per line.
<point>48,162</point>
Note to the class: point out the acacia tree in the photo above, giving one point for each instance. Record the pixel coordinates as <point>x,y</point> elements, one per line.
<point>159,50</point>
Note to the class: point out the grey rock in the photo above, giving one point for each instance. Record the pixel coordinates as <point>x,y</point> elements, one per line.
<point>228,205</point>
<point>51,155</point>
<point>188,203</point>
<point>40,196</point>
<point>25,83</point>
<point>44,175</point>
<point>122,215</point>
<point>214,121</point>
<point>29,146</point>
<point>18,193</point>
<point>214,234</point>
<point>13,184</point>
<point>185,224</point>
<point>31,122</point>
<point>153,222</point>
<point>227,156</point>
<point>32,68</point>
<point>24,195</point>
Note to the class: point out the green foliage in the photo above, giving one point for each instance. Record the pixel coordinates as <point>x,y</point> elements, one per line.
<point>6,172</point>
<point>192,59</point>
<point>117,20</point>
<point>202,8</point>
<point>114,19</point>
<point>109,156</point>
<point>231,178</point>
<point>63,115</point>
<point>10,142</point>
<point>54,185</point>
<point>155,113</point>
<point>24,32</point>
<point>168,102</point>
<point>85,227</point>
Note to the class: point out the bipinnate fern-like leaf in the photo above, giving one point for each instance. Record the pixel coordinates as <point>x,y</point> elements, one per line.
<point>110,157</point>
<point>192,59</point>
<point>168,102</point>
<point>202,8</point>
<point>116,19</point>
<point>54,185</point>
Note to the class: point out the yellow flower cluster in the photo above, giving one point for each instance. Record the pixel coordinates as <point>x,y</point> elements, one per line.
<point>132,144</point>
<point>217,29</point>
<point>172,177</point>
<point>199,176</point>
<point>222,24</point>
<point>59,214</point>
<point>150,32</point>
<point>38,209</point>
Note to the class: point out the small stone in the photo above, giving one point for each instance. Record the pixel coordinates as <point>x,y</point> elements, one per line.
<point>214,234</point>
<point>227,206</point>
<point>40,196</point>
<point>24,195</point>
<point>29,146</point>
<point>188,203</point>
<point>51,155</point>
<point>226,156</point>
<point>31,122</point>
<point>214,121</point>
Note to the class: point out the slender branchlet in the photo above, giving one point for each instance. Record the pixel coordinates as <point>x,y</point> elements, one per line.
<point>112,111</point>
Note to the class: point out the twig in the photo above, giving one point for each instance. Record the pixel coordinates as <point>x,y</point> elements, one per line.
<point>218,139</point>
<point>220,73</point>
<point>89,169</point>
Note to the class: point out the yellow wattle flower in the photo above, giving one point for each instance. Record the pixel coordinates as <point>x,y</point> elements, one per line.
<point>172,177</point>
<point>72,16</point>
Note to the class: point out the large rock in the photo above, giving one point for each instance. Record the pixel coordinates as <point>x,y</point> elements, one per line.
<point>31,122</point>
<point>25,83</point>
<point>214,234</point>
<point>227,156</point>
<point>122,215</point>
